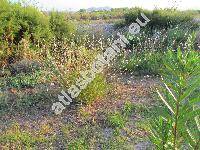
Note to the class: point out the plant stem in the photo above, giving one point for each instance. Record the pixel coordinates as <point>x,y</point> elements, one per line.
<point>176,119</point>
<point>176,124</point>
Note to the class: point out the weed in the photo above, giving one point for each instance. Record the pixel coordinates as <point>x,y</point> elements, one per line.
<point>128,108</point>
<point>116,120</point>
<point>78,144</point>
<point>96,89</point>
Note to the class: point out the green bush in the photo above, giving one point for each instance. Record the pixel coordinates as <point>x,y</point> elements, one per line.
<point>59,26</point>
<point>161,18</point>
<point>23,80</point>
<point>19,22</point>
<point>16,23</point>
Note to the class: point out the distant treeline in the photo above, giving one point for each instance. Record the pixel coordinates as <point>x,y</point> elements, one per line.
<point>115,13</point>
<point>120,13</point>
<point>163,18</point>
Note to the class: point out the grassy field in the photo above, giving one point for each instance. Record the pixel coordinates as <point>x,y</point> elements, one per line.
<point>147,98</point>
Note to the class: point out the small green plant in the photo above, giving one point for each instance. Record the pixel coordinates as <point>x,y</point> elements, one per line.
<point>96,89</point>
<point>128,108</point>
<point>78,144</point>
<point>23,80</point>
<point>116,120</point>
<point>161,134</point>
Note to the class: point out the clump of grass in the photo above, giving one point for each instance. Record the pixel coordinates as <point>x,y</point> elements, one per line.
<point>128,108</point>
<point>67,71</point>
<point>78,144</point>
<point>96,89</point>
<point>116,120</point>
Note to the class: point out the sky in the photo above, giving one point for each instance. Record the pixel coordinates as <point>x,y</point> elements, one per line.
<point>75,5</point>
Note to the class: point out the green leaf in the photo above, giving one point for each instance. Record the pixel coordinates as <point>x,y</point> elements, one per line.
<point>189,138</point>
<point>190,115</point>
<point>193,101</point>
<point>194,86</point>
<point>170,92</point>
<point>165,102</point>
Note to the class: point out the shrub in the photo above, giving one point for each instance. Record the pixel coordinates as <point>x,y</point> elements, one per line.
<point>24,80</point>
<point>16,23</point>
<point>19,23</point>
<point>59,26</point>
<point>161,18</point>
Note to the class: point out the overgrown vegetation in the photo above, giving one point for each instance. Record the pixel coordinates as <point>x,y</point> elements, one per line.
<point>161,18</point>
<point>19,23</point>
<point>115,13</point>
<point>41,53</point>
<point>148,49</point>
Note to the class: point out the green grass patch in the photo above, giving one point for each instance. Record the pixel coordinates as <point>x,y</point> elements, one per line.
<point>116,120</point>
